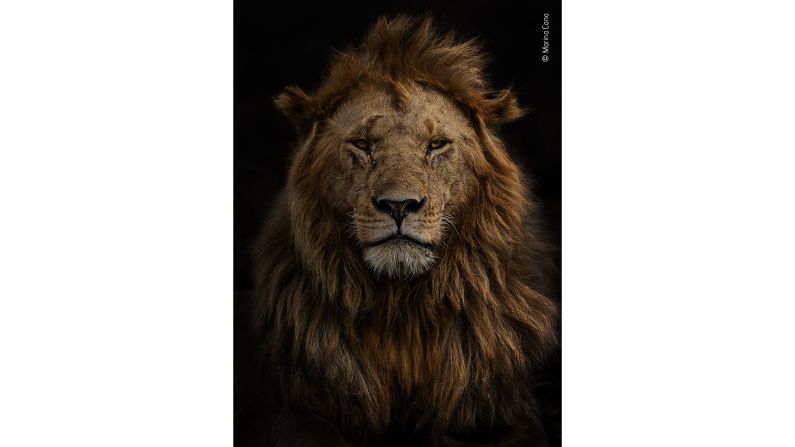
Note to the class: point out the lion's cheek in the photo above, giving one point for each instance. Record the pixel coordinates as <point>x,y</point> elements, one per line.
<point>449,180</point>
<point>346,183</point>
<point>461,189</point>
<point>353,187</point>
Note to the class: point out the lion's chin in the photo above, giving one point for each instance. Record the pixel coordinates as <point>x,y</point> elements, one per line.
<point>399,259</point>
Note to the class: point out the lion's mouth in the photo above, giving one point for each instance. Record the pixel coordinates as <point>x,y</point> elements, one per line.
<point>399,239</point>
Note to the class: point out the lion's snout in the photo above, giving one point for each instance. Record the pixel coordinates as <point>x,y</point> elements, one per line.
<point>398,209</point>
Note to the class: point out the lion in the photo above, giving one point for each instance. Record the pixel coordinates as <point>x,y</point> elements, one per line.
<point>400,279</point>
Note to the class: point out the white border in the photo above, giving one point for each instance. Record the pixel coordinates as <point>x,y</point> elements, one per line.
<point>116,233</point>
<point>678,223</point>
<point>116,229</point>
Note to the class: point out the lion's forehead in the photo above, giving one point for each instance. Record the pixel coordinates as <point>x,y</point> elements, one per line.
<point>416,112</point>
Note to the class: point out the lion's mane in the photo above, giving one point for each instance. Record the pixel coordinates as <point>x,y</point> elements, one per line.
<point>447,352</point>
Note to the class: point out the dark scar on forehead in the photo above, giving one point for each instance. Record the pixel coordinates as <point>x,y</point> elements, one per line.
<point>371,122</point>
<point>429,125</point>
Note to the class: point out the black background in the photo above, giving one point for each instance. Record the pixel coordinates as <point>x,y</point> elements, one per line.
<point>276,45</point>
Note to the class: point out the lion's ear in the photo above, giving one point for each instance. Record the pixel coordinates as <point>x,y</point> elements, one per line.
<point>297,106</point>
<point>503,108</point>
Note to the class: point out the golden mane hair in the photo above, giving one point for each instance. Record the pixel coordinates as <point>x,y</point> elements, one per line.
<point>448,352</point>
<point>402,50</point>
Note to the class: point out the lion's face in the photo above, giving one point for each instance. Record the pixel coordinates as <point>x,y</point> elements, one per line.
<point>401,175</point>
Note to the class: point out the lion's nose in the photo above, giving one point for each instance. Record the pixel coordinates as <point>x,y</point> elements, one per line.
<point>399,209</point>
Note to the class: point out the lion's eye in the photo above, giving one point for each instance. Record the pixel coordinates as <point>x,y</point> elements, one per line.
<point>361,144</point>
<point>437,144</point>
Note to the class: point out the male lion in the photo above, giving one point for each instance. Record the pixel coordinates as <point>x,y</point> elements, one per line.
<point>399,278</point>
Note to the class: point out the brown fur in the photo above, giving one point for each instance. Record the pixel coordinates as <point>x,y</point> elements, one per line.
<point>451,351</point>
<point>400,50</point>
